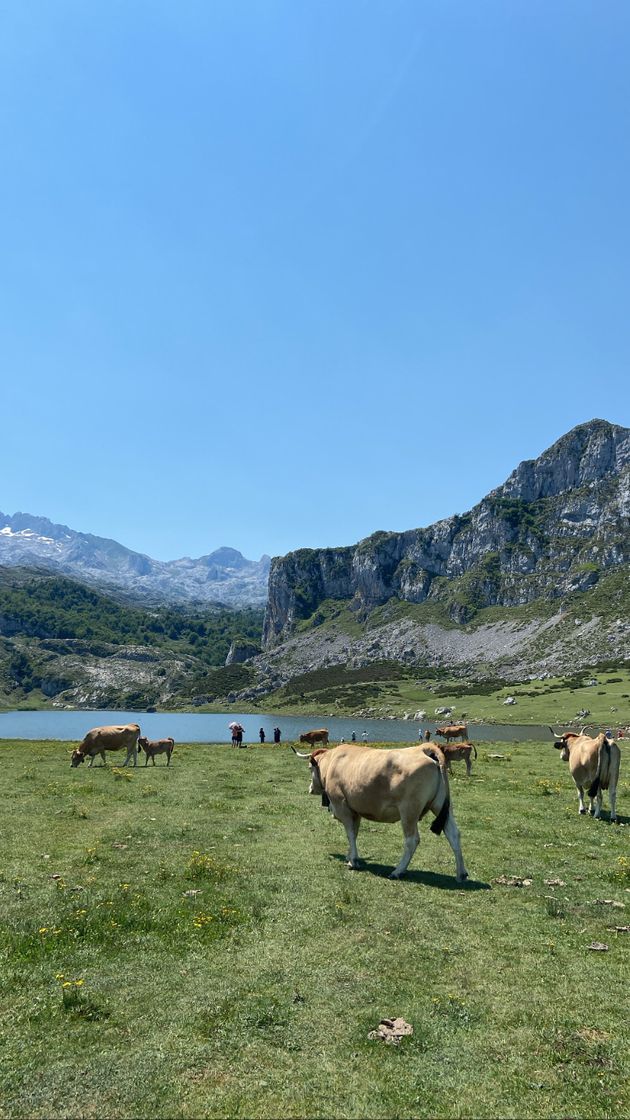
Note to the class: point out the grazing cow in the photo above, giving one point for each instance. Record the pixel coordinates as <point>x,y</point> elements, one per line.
<point>453,731</point>
<point>593,763</point>
<point>312,737</point>
<point>459,752</point>
<point>157,746</point>
<point>101,739</point>
<point>386,785</point>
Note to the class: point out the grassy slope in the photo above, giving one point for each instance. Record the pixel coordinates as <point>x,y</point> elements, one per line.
<point>255,997</point>
<point>538,702</point>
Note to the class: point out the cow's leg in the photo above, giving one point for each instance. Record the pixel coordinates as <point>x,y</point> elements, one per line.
<point>168,758</point>
<point>146,759</point>
<point>596,805</point>
<point>412,839</point>
<point>350,822</point>
<point>468,766</point>
<point>92,757</point>
<point>580,790</point>
<point>451,832</point>
<point>132,752</point>
<point>153,759</point>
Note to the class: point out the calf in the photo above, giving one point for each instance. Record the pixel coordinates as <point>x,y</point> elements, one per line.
<point>593,763</point>
<point>459,752</point>
<point>157,746</point>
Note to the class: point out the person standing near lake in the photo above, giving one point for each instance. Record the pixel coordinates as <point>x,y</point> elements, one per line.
<point>364,736</point>
<point>276,734</point>
<point>261,734</point>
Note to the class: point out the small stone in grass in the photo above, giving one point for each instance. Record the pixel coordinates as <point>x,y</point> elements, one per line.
<point>391,1031</point>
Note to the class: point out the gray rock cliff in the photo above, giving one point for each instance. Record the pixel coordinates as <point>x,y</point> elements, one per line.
<point>550,529</point>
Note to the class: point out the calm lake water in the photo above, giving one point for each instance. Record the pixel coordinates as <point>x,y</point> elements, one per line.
<point>193,727</point>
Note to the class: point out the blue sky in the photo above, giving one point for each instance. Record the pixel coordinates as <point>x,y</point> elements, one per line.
<point>281,273</point>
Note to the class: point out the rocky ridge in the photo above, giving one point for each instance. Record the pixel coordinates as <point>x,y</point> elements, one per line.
<point>553,528</point>
<point>224,576</point>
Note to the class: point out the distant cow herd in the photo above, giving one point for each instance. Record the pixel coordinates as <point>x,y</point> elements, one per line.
<point>358,782</point>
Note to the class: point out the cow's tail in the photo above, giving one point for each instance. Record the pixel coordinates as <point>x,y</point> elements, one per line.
<point>438,825</point>
<point>474,749</point>
<point>442,816</point>
<point>603,753</point>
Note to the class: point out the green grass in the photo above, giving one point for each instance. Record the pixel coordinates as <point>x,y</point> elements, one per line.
<point>255,996</point>
<point>387,688</point>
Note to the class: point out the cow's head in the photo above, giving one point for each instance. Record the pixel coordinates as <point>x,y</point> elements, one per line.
<point>143,742</point>
<point>77,758</point>
<point>314,758</point>
<point>562,741</point>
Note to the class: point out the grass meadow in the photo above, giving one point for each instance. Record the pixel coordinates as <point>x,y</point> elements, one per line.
<point>187,942</point>
<point>554,700</point>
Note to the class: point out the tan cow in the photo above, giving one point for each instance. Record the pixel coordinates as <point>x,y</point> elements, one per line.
<point>386,785</point>
<point>312,737</point>
<point>101,739</point>
<point>156,746</point>
<point>593,763</point>
<point>459,752</point>
<point>453,731</point>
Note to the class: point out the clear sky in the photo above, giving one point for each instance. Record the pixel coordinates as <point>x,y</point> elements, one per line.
<point>280,273</point>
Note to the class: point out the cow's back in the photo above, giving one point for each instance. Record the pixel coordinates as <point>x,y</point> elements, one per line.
<point>611,760</point>
<point>584,755</point>
<point>110,738</point>
<point>376,782</point>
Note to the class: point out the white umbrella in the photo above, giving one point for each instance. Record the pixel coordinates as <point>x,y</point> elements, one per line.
<point>235,727</point>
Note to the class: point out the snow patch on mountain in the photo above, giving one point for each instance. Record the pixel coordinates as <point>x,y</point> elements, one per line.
<point>223,576</point>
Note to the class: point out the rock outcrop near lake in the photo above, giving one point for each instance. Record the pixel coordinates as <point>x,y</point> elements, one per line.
<point>553,528</point>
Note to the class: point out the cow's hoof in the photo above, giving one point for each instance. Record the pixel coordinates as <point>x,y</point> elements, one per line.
<point>396,876</point>
<point>581,812</point>
<point>462,878</point>
<point>352,866</point>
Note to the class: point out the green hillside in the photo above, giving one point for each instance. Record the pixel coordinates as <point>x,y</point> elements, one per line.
<point>50,625</point>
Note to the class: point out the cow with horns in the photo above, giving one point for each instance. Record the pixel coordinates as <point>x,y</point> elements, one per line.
<point>386,785</point>
<point>594,764</point>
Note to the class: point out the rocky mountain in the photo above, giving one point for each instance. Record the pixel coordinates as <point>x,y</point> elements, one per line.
<point>224,576</point>
<point>558,524</point>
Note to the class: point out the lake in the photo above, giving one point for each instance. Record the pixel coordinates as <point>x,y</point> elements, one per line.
<point>194,727</point>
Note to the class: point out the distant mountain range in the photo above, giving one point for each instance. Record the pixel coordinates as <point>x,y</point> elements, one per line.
<point>224,576</point>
